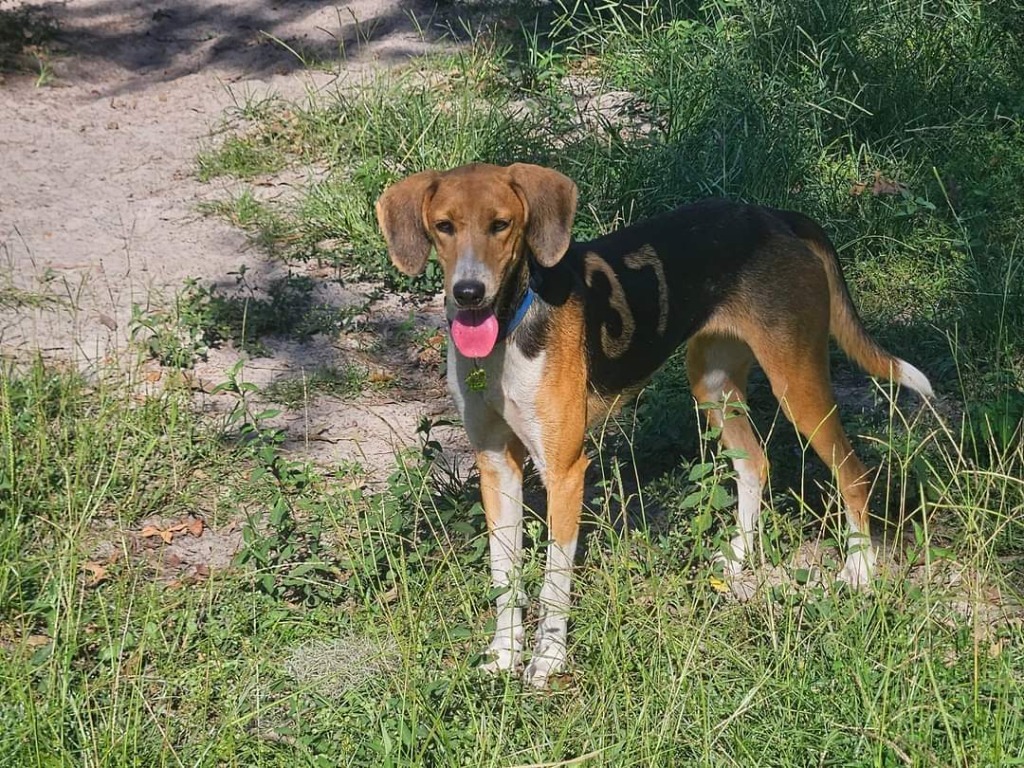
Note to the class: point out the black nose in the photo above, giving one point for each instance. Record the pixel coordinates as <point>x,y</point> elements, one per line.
<point>468,293</point>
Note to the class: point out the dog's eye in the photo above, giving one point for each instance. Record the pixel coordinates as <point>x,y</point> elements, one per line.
<point>445,227</point>
<point>500,225</point>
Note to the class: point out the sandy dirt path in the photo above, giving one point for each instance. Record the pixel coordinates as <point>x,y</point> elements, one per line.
<point>98,195</point>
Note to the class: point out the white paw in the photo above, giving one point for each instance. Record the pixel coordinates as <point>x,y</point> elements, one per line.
<point>859,567</point>
<point>501,658</point>
<point>548,659</point>
<point>732,557</point>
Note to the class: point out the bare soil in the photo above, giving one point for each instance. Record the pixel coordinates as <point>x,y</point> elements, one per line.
<point>99,198</point>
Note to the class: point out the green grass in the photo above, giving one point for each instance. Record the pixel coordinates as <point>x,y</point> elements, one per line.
<point>345,381</point>
<point>351,632</point>
<point>348,630</point>
<point>17,297</point>
<point>202,317</point>
<point>13,297</point>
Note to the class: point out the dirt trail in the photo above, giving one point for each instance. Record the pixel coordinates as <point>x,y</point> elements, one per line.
<point>98,197</point>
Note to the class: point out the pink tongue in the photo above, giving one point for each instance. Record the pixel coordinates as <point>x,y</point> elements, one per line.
<point>475,332</point>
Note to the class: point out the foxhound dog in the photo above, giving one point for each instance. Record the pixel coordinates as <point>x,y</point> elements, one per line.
<point>548,335</point>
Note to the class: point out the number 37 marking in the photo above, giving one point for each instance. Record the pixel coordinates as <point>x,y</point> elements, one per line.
<point>616,346</point>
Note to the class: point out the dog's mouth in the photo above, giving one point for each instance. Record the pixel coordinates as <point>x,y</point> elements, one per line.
<point>475,331</point>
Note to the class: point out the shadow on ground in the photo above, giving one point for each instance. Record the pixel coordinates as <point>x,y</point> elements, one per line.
<point>161,42</point>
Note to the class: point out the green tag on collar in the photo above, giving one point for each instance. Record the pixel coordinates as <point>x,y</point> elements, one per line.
<point>477,380</point>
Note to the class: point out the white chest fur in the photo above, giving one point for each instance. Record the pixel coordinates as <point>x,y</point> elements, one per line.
<point>506,402</point>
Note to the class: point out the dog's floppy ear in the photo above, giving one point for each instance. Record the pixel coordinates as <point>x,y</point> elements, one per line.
<point>400,215</point>
<point>550,202</point>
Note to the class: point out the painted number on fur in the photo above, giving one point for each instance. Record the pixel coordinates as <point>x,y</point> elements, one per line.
<point>616,346</point>
<point>646,257</point>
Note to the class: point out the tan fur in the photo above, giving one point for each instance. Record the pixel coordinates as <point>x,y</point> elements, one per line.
<point>844,324</point>
<point>490,481</point>
<point>846,327</point>
<point>562,411</point>
<point>793,352</point>
<point>400,212</point>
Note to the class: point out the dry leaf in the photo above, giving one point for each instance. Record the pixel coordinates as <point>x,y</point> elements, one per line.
<point>193,525</point>
<point>429,357</point>
<point>884,186</point>
<point>150,531</point>
<point>195,383</point>
<point>995,650</point>
<point>172,560</point>
<point>879,186</point>
<point>152,375</point>
<point>97,573</point>
<point>166,535</point>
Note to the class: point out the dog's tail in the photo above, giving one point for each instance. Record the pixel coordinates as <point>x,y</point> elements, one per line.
<point>844,323</point>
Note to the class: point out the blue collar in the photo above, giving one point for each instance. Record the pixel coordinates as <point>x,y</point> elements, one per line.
<point>520,313</point>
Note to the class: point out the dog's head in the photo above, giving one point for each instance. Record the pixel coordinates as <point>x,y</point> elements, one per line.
<point>480,219</point>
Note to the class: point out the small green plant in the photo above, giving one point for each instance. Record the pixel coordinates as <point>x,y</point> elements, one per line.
<point>203,317</point>
<point>271,231</point>
<point>284,541</point>
<point>339,381</point>
<point>699,495</point>
<point>286,308</point>
<point>241,158</point>
<point>25,32</point>
<point>997,424</point>
<point>180,335</point>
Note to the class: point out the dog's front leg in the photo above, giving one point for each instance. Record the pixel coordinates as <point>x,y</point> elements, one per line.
<point>501,486</point>
<point>565,502</point>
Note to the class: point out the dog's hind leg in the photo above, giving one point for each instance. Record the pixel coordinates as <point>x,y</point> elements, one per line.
<point>797,367</point>
<point>718,367</point>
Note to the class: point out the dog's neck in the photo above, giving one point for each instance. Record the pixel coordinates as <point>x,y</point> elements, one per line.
<point>519,296</point>
<point>533,292</point>
<point>517,317</point>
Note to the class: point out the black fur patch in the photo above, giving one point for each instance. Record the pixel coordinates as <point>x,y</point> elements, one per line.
<point>553,286</point>
<point>703,249</point>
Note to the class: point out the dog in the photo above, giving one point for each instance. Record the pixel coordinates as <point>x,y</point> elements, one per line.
<point>548,335</point>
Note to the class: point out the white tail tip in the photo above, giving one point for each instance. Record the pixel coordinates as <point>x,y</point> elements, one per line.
<point>909,376</point>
